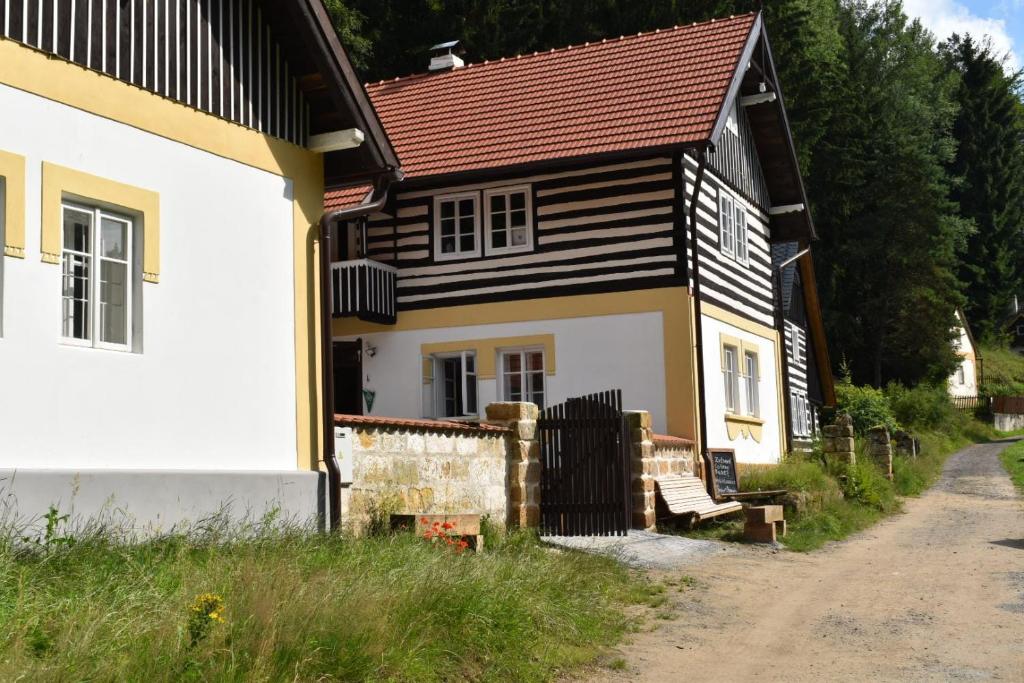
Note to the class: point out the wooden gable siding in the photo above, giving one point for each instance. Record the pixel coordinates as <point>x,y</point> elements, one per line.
<point>745,290</point>
<point>604,228</point>
<point>219,56</point>
<point>736,162</point>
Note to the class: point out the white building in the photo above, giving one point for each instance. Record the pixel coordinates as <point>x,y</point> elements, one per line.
<point>966,379</point>
<point>160,197</point>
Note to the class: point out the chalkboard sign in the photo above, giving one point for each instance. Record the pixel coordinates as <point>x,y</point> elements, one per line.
<point>723,471</point>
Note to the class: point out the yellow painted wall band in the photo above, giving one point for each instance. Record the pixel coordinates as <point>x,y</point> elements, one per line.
<point>12,170</point>
<point>487,351</point>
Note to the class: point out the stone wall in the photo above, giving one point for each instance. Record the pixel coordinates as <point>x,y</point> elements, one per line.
<point>523,459</point>
<point>1009,422</point>
<point>838,443</point>
<point>652,455</point>
<point>426,466</point>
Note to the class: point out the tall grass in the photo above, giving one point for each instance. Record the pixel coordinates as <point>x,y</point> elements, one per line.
<point>1013,461</point>
<point>300,606</point>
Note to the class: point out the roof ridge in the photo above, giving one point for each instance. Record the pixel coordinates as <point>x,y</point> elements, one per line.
<point>587,44</point>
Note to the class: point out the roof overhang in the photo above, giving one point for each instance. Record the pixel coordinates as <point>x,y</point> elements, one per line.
<point>772,136</point>
<point>336,98</point>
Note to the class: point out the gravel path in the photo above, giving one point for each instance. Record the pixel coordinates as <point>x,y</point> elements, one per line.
<point>935,594</point>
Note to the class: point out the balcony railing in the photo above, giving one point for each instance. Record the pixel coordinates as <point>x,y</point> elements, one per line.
<point>364,289</point>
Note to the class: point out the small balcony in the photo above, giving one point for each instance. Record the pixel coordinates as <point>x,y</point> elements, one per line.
<point>364,289</point>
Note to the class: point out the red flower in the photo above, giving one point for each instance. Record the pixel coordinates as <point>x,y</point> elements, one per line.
<point>437,524</point>
<point>448,525</point>
<point>424,520</point>
<point>463,544</point>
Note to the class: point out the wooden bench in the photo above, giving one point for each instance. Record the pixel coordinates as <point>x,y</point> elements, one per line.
<point>684,495</point>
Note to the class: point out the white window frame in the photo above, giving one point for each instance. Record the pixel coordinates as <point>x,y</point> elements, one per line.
<point>799,407</point>
<point>527,192</point>
<point>752,378</point>
<point>798,346</point>
<point>730,373</point>
<point>726,224</point>
<point>439,255</point>
<point>741,249</point>
<point>437,385</point>
<point>94,323</point>
<point>504,389</point>
<point>961,375</point>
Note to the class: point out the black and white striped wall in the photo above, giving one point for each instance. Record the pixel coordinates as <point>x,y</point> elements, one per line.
<point>596,229</point>
<point>219,56</point>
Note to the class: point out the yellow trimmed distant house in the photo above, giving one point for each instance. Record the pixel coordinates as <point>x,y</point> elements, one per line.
<point>601,216</point>
<point>162,172</point>
<point>966,379</point>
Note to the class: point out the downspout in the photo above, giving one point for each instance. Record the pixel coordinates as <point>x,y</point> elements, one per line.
<point>702,423</point>
<point>329,457</point>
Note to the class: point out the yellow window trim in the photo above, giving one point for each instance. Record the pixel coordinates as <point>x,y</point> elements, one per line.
<point>487,351</point>
<point>12,170</point>
<point>60,183</point>
<point>728,340</point>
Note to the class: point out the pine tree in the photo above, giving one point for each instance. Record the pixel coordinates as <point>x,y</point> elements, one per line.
<point>989,166</point>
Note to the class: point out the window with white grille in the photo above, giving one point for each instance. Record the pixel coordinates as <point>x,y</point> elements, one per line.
<point>522,376</point>
<point>457,226</point>
<point>798,342</point>
<point>800,409</point>
<point>730,371</point>
<point>751,376</point>
<point>509,220</point>
<point>97,278</point>
<point>732,227</point>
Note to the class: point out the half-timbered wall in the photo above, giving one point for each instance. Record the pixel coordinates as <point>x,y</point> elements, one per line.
<point>743,289</point>
<point>606,228</point>
<point>219,56</point>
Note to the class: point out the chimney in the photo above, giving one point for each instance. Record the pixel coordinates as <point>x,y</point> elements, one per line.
<point>445,56</point>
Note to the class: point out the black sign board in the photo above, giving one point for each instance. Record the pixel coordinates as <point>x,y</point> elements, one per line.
<point>723,471</point>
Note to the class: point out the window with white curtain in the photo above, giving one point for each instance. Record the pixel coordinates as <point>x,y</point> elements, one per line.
<point>97,278</point>
<point>509,220</point>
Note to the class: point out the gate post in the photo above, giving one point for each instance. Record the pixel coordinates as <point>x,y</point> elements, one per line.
<point>522,455</point>
<point>641,468</point>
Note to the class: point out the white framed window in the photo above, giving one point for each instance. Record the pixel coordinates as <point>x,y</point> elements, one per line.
<point>800,409</point>
<point>508,219</point>
<point>726,224</point>
<point>752,379</point>
<point>730,371</point>
<point>457,226</point>
<point>798,342</point>
<point>960,378</point>
<point>451,385</point>
<point>97,278</point>
<point>522,375</point>
<point>733,237</point>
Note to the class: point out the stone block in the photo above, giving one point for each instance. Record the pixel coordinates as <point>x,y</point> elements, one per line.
<point>532,473</point>
<point>525,430</point>
<point>638,419</point>
<point>641,485</point>
<point>644,520</point>
<point>531,516</point>
<point>844,420</point>
<point>839,444</point>
<point>508,411</point>
<point>837,431</point>
<point>759,533</point>
<point>764,514</point>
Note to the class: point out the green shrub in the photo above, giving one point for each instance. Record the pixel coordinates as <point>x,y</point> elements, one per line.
<point>924,408</point>
<point>869,407</point>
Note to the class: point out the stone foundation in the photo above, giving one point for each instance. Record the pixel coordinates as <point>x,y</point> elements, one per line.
<point>880,448</point>
<point>838,442</point>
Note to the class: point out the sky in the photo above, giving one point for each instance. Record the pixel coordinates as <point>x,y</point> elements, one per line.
<point>1002,20</point>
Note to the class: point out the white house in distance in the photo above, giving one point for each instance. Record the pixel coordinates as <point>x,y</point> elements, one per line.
<point>966,379</point>
<point>162,169</point>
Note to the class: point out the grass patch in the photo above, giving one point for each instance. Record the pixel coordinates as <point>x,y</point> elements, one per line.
<point>1013,460</point>
<point>1004,371</point>
<point>297,606</point>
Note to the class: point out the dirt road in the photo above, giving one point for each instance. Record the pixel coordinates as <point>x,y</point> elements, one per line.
<point>936,593</point>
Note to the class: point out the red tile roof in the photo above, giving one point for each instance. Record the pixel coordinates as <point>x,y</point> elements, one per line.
<point>430,425</point>
<point>649,90</point>
<point>346,196</point>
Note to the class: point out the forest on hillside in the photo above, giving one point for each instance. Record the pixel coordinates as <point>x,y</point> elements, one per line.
<point>911,147</point>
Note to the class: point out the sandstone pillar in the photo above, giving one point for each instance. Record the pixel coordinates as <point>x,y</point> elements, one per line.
<point>642,468</point>
<point>523,460</point>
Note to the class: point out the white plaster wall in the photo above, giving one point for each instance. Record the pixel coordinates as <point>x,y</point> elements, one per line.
<point>592,354</point>
<point>214,387</point>
<point>970,385</point>
<point>747,449</point>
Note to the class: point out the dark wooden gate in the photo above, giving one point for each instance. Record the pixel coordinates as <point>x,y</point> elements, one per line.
<point>584,481</point>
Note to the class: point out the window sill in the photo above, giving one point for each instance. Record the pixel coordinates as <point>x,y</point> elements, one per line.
<point>744,426</point>
<point>504,251</point>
